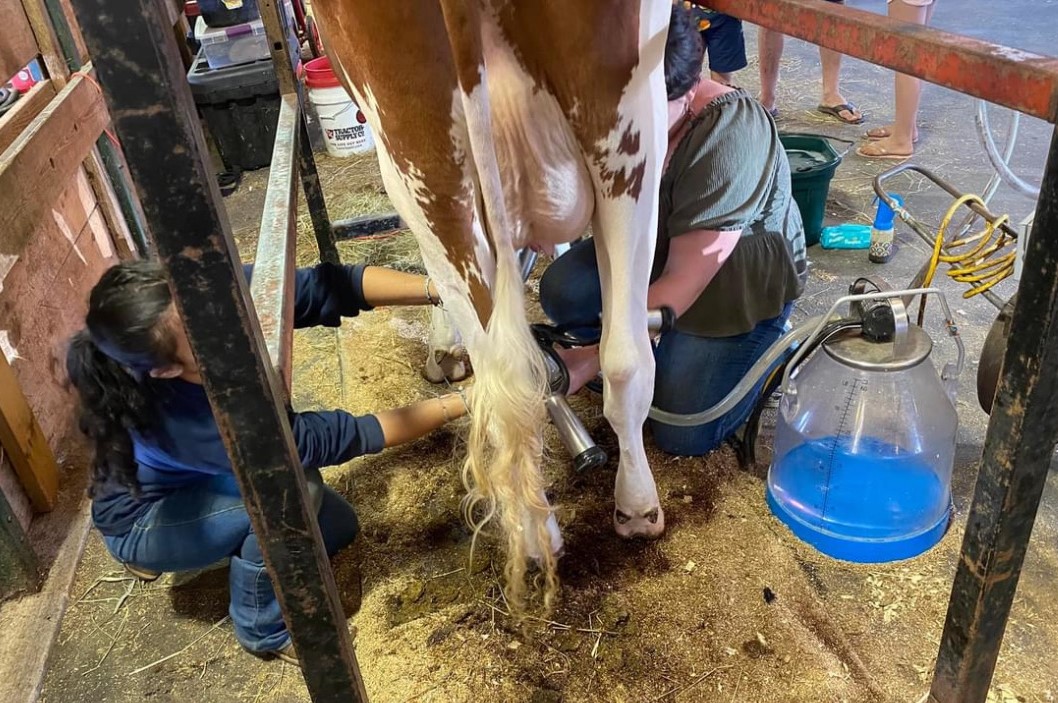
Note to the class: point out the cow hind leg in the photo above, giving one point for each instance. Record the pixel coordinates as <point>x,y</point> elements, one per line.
<point>627,173</point>
<point>446,356</point>
<point>627,364</point>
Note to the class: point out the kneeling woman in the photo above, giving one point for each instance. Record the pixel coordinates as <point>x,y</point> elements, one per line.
<point>730,256</point>
<point>163,493</point>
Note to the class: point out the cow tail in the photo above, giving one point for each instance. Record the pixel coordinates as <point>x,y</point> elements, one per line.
<point>503,475</point>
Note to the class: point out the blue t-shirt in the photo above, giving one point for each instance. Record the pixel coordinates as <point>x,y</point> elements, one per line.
<point>183,445</point>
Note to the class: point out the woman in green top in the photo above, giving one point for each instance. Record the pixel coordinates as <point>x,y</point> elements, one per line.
<point>730,257</point>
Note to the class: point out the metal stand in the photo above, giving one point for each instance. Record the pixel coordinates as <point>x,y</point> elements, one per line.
<point>1022,433</point>
<point>142,74</point>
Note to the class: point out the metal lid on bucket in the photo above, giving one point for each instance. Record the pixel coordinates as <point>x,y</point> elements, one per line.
<point>903,352</point>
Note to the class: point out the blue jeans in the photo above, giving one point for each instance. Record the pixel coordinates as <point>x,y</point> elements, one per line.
<point>693,373</point>
<point>201,523</point>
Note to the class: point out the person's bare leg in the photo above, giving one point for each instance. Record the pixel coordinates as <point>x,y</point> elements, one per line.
<point>832,97</point>
<point>769,53</point>
<point>900,137</point>
<point>725,78</point>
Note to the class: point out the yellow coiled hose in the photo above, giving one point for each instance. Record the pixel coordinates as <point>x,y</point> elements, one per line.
<point>981,260</point>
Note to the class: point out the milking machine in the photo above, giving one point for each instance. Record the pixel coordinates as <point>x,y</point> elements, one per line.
<point>865,437</point>
<point>866,428</point>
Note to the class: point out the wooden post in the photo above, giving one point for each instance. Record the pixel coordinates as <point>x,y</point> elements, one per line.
<point>24,443</point>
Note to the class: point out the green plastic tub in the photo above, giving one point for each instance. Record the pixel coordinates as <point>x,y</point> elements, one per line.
<point>813,161</point>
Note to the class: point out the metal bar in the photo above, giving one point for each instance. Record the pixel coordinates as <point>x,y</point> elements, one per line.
<point>920,229</point>
<point>881,178</point>
<point>368,225</point>
<point>143,80</point>
<point>285,58</point>
<point>1022,432</point>
<point>310,182</point>
<point>64,34</point>
<point>1003,75</point>
<point>272,288</point>
<point>19,572</point>
<point>116,171</point>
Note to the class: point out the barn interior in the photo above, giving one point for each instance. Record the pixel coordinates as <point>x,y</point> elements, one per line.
<point>728,606</point>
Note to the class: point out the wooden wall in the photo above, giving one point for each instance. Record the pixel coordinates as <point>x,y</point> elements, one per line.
<point>43,295</point>
<point>60,228</point>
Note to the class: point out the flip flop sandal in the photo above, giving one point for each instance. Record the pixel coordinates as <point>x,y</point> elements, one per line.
<point>881,153</point>
<point>836,110</point>
<point>882,133</point>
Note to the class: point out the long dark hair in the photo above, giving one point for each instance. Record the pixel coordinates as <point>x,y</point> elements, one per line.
<point>109,361</point>
<point>684,53</point>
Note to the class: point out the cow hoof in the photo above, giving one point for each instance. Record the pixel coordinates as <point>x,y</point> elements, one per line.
<point>648,525</point>
<point>442,367</point>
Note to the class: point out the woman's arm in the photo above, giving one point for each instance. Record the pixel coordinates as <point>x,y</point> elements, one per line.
<point>411,422</point>
<point>694,259</point>
<point>383,286</point>
<point>334,437</point>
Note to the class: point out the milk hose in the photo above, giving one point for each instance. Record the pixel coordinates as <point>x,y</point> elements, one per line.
<point>747,447</point>
<point>1000,162</point>
<point>764,364</point>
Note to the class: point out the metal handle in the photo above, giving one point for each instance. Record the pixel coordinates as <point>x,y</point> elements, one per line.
<point>950,373</point>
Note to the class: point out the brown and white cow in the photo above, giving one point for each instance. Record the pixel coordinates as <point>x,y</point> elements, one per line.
<point>502,124</point>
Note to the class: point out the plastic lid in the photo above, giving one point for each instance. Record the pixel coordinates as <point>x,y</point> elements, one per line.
<point>206,35</point>
<point>319,74</point>
<point>883,219</point>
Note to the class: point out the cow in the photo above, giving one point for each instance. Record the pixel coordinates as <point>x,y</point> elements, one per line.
<point>503,124</point>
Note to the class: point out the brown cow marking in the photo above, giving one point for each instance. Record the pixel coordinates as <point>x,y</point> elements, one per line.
<point>409,86</point>
<point>629,145</point>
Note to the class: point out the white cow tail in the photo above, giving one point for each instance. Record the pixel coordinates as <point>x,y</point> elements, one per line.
<point>502,473</point>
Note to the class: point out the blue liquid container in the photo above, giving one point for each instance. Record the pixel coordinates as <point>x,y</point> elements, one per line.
<point>864,448</point>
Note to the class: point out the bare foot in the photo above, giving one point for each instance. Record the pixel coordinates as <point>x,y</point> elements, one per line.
<point>887,148</point>
<point>885,132</point>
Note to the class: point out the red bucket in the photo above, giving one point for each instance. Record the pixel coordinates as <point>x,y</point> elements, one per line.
<point>319,74</point>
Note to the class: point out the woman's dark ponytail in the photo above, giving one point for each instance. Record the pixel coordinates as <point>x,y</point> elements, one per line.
<point>109,361</point>
<point>112,404</point>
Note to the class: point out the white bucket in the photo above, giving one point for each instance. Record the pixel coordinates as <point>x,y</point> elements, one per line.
<point>345,130</point>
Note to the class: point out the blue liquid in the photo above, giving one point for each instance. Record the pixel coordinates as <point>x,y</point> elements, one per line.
<point>877,492</point>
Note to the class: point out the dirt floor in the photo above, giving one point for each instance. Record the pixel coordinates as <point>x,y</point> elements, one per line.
<point>728,606</point>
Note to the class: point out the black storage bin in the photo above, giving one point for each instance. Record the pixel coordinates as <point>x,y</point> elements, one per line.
<point>216,14</point>
<point>240,105</point>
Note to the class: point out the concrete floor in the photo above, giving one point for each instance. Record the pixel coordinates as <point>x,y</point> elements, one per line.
<point>949,145</point>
